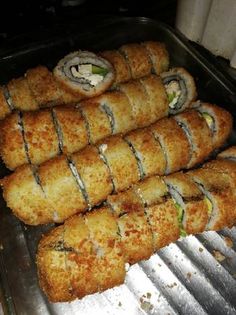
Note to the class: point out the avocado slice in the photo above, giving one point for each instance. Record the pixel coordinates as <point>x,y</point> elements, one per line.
<point>209,206</point>
<point>209,120</point>
<point>99,70</point>
<point>180,216</point>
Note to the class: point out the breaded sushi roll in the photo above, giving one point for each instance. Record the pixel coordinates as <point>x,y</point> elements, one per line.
<point>133,105</point>
<point>88,253</point>
<point>219,124</point>
<point>84,74</point>
<point>174,144</point>
<point>76,182</point>
<point>135,60</point>
<point>199,135</point>
<point>180,88</point>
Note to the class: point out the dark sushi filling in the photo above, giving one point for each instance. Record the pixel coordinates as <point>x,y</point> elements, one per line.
<point>8,98</point>
<point>176,91</point>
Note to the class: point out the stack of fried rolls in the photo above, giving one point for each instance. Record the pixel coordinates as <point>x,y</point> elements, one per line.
<point>87,254</point>
<point>68,184</point>
<point>40,87</point>
<point>34,137</point>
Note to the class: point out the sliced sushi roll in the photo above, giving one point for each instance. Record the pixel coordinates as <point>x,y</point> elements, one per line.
<point>218,120</point>
<point>120,65</point>
<point>198,134</point>
<point>134,230</point>
<point>84,74</point>
<point>221,201</point>
<point>71,128</point>
<point>21,95</point>
<point>54,276</point>
<point>109,266</point>
<point>174,144</point>
<point>43,86</point>
<point>40,136</point>
<point>148,152</point>
<point>164,223</point>
<point>137,97</point>
<point>137,59</point>
<point>158,55</point>
<point>60,187</point>
<point>156,99</point>
<point>190,203</point>
<point>118,108</point>
<point>151,190</point>
<point>94,175</point>
<point>24,194</point>
<point>12,144</point>
<point>180,88</point>
<point>121,162</point>
<point>98,123</point>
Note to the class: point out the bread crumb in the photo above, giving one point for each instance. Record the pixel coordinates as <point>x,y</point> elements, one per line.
<point>218,255</point>
<point>189,275</point>
<point>146,306</point>
<point>119,304</point>
<point>228,241</point>
<point>200,249</point>
<point>172,285</point>
<point>149,295</point>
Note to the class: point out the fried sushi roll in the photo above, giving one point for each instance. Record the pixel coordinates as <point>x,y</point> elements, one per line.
<point>219,121</point>
<point>91,250</point>
<point>199,135</point>
<point>135,104</point>
<point>174,143</point>
<point>13,150</point>
<point>180,88</point>
<point>112,165</point>
<point>84,74</point>
<point>216,186</point>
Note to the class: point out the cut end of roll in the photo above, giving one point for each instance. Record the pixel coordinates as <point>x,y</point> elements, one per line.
<point>84,74</point>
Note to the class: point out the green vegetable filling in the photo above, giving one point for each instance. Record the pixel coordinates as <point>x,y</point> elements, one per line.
<point>171,96</point>
<point>99,70</point>
<point>208,119</point>
<point>180,216</point>
<point>209,205</point>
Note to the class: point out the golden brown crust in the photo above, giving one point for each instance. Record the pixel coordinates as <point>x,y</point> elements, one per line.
<point>174,143</point>
<point>60,188</point>
<point>73,128</point>
<point>26,198</point>
<point>43,86</point>
<point>98,125</point>
<point>200,136</point>
<point>11,142</point>
<point>151,190</point>
<point>109,267</point>
<point>40,136</point>
<point>148,150</point>
<point>164,223</point>
<point>223,121</point>
<point>121,67</point>
<point>4,108</point>
<point>21,95</point>
<point>158,54</point>
<point>136,236</point>
<point>121,162</point>
<point>54,278</point>
<point>137,58</point>
<point>228,153</point>
<point>156,97</point>
<point>136,94</point>
<point>94,174</point>
<point>121,110</point>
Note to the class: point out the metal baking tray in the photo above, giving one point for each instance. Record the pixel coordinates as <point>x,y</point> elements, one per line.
<point>196,275</point>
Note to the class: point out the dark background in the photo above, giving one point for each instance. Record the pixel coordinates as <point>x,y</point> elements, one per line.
<point>17,17</point>
<point>35,18</point>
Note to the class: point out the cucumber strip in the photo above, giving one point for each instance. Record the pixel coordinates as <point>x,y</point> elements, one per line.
<point>99,70</point>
